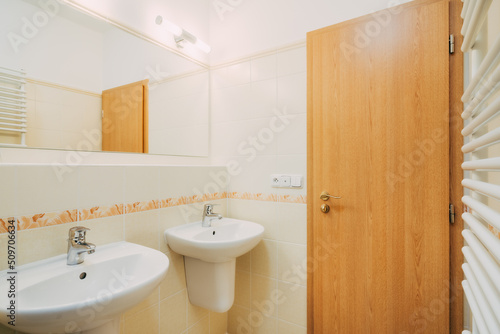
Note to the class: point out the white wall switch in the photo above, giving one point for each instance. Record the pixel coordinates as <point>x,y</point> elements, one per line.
<point>286,181</point>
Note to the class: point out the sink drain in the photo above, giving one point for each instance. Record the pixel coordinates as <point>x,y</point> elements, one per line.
<point>83,275</point>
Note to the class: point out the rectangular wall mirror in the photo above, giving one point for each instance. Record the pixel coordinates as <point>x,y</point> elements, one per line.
<point>82,84</point>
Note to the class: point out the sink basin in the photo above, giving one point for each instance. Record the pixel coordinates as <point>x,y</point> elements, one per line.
<point>210,258</point>
<point>57,298</point>
<point>227,239</point>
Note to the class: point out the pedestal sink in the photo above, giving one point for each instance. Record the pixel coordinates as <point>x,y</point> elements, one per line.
<point>210,256</point>
<point>88,298</point>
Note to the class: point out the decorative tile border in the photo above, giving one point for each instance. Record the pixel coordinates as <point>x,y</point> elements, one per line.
<point>300,199</point>
<point>71,216</point>
<point>495,232</point>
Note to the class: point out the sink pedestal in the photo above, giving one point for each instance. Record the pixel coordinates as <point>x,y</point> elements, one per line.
<point>210,285</point>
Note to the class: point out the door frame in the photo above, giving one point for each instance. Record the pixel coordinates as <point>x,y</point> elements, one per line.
<point>456,77</point>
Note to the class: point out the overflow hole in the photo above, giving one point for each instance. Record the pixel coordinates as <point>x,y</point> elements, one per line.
<point>83,275</point>
<point>213,233</point>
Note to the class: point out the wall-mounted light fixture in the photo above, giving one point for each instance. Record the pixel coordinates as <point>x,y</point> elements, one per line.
<point>181,36</point>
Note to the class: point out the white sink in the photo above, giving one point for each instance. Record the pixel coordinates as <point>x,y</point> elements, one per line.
<point>210,258</point>
<point>57,298</point>
<point>225,240</point>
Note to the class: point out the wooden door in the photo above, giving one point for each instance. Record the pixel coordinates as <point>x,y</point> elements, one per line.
<point>125,118</point>
<point>378,137</point>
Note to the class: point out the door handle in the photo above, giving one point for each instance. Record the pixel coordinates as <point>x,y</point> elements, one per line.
<point>325,196</point>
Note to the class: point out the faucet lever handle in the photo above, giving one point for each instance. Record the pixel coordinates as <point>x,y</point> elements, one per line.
<point>78,232</point>
<point>209,207</point>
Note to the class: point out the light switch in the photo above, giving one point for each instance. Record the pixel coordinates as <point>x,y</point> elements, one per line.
<point>296,181</point>
<point>286,181</point>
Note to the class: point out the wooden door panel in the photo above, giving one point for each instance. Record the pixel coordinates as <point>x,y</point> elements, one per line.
<point>125,117</point>
<point>378,137</point>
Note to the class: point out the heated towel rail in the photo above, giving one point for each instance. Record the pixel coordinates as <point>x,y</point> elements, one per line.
<point>13,104</point>
<point>481,111</point>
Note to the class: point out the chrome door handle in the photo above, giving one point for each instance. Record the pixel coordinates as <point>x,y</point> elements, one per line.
<point>325,196</point>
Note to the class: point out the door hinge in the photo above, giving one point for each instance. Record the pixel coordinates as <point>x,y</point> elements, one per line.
<point>452,214</point>
<point>452,44</point>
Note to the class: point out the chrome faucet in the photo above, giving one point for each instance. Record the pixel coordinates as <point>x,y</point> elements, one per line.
<point>77,246</point>
<point>209,215</point>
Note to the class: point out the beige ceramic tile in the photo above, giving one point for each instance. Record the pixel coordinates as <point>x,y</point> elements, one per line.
<point>41,243</point>
<point>43,189</point>
<point>195,313</point>
<point>264,258</point>
<point>294,306</point>
<point>100,186</point>
<point>104,230</point>
<point>292,223</point>
<point>201,327</point>
<point>142,228</point>
<point>237,320</point>
<point>150,300</point>
<point>141,184</point>
<point>242,294</point>
<point>3,251</point>
<point>173,317</point>
<point>263,295</point>
<point>218,323</point>
<point>292,263</point>
<point>145,321</point>
<point>243,262</point>
<point>264,325</point>
<point>260,212</point>
<point>288,328</point>
<point>8,197</point>
<point>175,280</point>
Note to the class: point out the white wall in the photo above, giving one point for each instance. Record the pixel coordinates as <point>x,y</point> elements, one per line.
<point>190,15</point>
<point>239,28</point>
<point>47,50</point>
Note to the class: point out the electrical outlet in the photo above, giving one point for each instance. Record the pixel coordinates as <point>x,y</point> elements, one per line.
<point>286,181</point>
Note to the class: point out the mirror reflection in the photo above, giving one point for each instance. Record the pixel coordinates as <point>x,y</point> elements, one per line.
<point>88,85</point>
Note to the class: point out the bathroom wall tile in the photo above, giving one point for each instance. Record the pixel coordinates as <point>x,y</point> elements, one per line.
<point>293,139</point>
<point>142,228</point>
<point>293,164</point>
<point>100,186</point>
<point>292,223</point>
<point>265,325</point>
<point>43,138</point>
<point>263,289</point>
<point>46,219</point>
<point>288,328</point>
<point>264,67</point>
<point>294,307</point>
<point>292,61</point>
<point>201,327</point>
<point>243,263</point>
<point>83,117</point>
<point>178,141</point>
<point>30,89</point>
<point>48,116</point>
<point>218,323</point>
<point>42,243</point>
<point>195,314</point>
<point>291,260</point>
<point>46,189</point>
<point>8,180</point>
<point>265,259</point>
<point>175,280</point>
<point>141,183</point>
<point>238,320</point>
<point>292,93</point>
<point>263,98</point>
<point>104,230</point>
<point>145,321</point>
<point>263,213</point>
<point>173,312</point>
<point>232,104</point>
<point>232,75</point>
<point>254,176</point>
<point>151,300</point>
<point>243,282</point>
